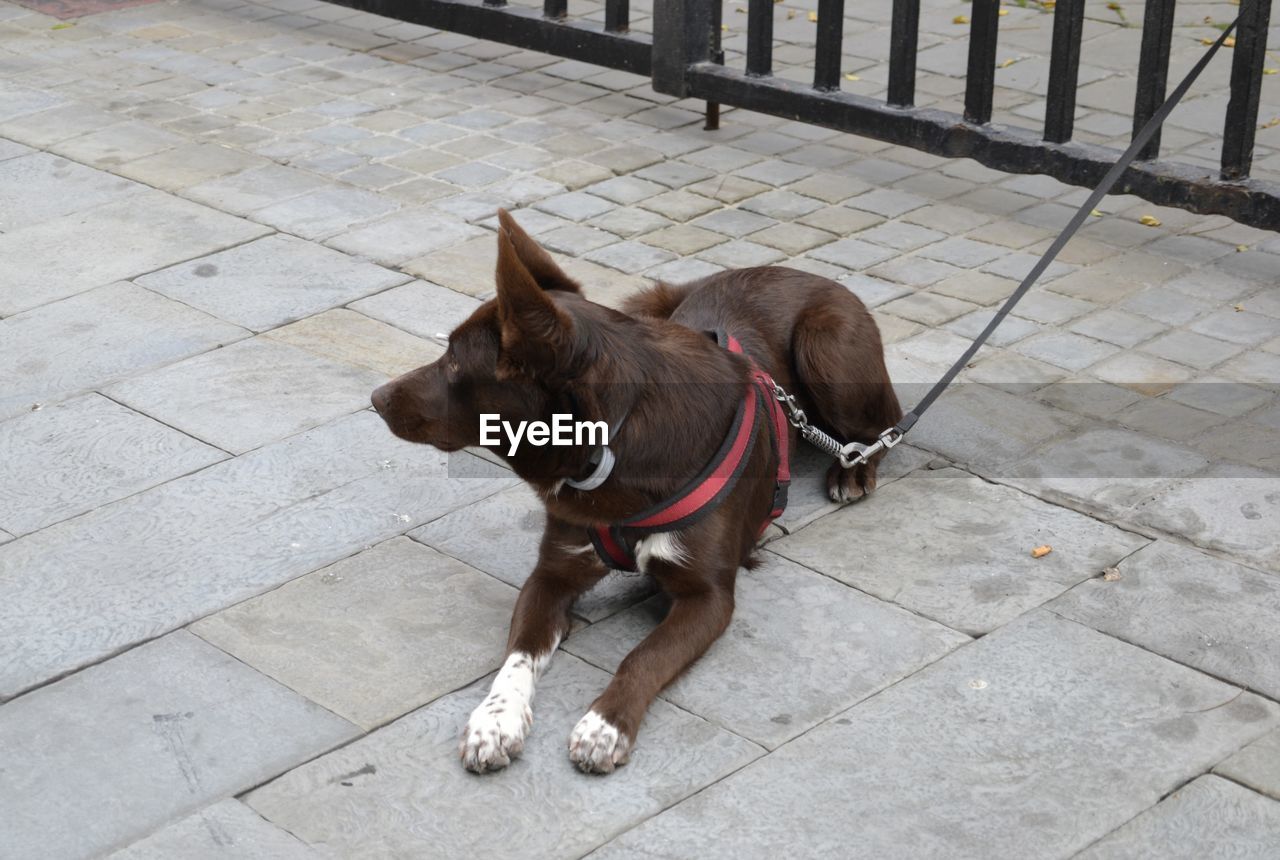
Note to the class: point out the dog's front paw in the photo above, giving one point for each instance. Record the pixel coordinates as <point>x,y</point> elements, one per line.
<point>598,746</point>
<point>494,734</point>
<point>850,485</point>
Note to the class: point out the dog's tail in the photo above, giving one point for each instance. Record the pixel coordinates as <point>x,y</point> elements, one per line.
<point>659,301</point>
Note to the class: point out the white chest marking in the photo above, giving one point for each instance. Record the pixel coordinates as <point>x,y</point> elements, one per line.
<point>664,546</point>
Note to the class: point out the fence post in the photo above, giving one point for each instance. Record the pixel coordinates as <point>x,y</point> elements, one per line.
<point>681,37</point>
<point>1247,62</point>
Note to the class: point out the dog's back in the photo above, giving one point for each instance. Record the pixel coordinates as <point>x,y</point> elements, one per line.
<point>815,338</point>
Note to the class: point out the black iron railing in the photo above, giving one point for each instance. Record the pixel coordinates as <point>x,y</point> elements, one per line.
<point>548,30</point>
<point>683,59</point>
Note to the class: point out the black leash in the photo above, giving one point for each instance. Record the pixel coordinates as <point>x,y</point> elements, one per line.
<point>854,453</point>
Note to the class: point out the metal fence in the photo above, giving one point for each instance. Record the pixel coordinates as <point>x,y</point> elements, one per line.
<point>684,59</point>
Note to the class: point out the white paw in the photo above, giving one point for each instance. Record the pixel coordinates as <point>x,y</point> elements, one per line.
<point>495,733</point>
<point>597,746</point>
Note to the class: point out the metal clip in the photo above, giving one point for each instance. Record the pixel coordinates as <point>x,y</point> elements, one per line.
<point>855,453</point>
<point>850,455</point>
<point>795,415</point>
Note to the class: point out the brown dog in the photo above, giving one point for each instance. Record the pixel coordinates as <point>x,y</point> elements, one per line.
<point>684,413</point>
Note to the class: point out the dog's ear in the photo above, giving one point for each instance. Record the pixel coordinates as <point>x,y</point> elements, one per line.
<point>544,270</point>
<point>537,336</point>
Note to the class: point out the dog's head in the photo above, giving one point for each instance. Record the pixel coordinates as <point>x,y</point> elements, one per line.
<point>515,356</point>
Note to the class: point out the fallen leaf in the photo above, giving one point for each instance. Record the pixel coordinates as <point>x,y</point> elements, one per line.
<point>724,27</point>
<point>740,10</point>
<point>960,19</point>
<point>63,26</point>
<point>1238,308</point>
<point>1271,71</point>
<point>1207,41</point>
<point>1048,4</point>
<point>1229,42</point>
<point>1240,249</point>
<point>1003,12</point>
<point>1113,6</point>
<point>813,17</point>
<point>1096,213</point>
<point>1041,551</point>
<point>1271,123</point>
<point>850,76</point>
<point>1009,62</point>
<point>1111,574</point>
<point>1149,220</point>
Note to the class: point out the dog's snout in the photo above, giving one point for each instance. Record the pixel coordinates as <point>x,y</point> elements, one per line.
<point>380,398</point>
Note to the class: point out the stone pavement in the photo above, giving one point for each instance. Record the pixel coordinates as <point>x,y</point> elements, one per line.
<point>237,618</point>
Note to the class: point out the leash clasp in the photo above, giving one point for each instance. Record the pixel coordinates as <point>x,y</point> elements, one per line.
<point>855,453</point>
<point>795,415</point>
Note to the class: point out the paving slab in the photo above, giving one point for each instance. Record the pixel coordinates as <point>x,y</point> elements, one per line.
<point>189,164</point>
<point>124,747</point>
<point>467,268</point>
<point>404,786</point>
<point>957,549</point>
<point>420,308</point>
<point>92,137</point>
<point>250,393</point>
<point>1032,742</point>
<point>1228,633</point>
<point>500,535</point>
<point>256,188</point>
<point>801,648</point>
<point>1103,470</point>
<point>325,211</point>
<point>16,101</point>
<point>346,336</point>
<point>71,457</point>
<point>129,571</point>
<point>95,338</point>
<point>10,149</point>
<point>375,635</point>
<point>227,829</point>
<point>1257,765</point>
<point>1208,817</point>
<point>111,242</point>
<point>40,186</point>
<point>977,425</point>
<point>271,281</point>
<point>1230,508</point>
<point>404,236</point>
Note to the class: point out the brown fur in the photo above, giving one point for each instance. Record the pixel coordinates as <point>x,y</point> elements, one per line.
<point>540,347</point>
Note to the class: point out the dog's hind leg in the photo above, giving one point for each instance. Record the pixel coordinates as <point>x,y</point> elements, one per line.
<point>840,362</point>
<point>702,604</point>
<point>567,566</point>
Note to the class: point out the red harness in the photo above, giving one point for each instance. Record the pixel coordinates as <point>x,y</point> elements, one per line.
<point>615,543</point>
